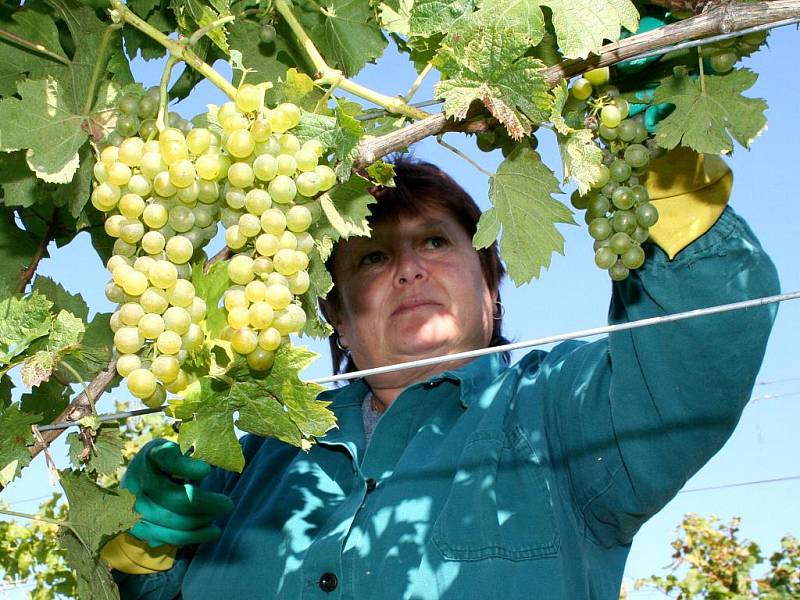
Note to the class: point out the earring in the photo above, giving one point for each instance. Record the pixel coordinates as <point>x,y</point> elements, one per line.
<point>339,344</point>
<point>500,310</point>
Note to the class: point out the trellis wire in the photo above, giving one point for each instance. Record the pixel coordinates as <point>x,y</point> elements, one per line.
<point>690,314</point>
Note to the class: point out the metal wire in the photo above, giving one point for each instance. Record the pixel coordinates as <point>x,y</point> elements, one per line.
<point>739,484</point>
<point>690,314</point>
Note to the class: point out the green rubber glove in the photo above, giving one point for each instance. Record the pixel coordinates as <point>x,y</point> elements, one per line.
<point>174,511</point>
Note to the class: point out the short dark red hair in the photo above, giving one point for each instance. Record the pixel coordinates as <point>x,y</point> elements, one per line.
<point>419,186</point>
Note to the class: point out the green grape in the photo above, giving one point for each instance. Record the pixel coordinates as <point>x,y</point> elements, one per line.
<point>485,141</point>
<point>163,274</point>
<point>163,186</point>
<point>143,264</point>
<point>127,340</point>
<point>114,139</point>
<point>597,77</point>
<point>640,194</point>
<point>240,143</point>
<point>627,130</point>
<point>278,296</point>
<point>105,196</point>
<point>169,342</point>
<point>306,159</point>
<point>285,262</point>
<point>282,189</point>
<point>180,384</point>
<point>602,178</point>
<point>208,191</point>
<point>623,106</point>
<point>131,150</point>
<point>157,398</point>
<point>620,242</point>
<point>127,363</point>
<point>128,104</point>
<point>165,368</point>
<point>260,315</point>
<point>640,235</point>
<point>154,300</point>
<point>290,116</point>
<point>276,279</point>
<point>265,167</point>
<point>608,189</point>
<point>637,156</point>
<point>240,269</point>
<point>646,215</point>
<point>298,218</point>
<point>618,271</point>
<point>130,313</point>
<point>267,244</point>
<point>109,155</point>
<point>135,283</point>
<point>249,225</point>
<point>622,197</point>
<point>139,185</point>
<point>641,133</point>
<point>244,340</point>
<point>248,98</point>
<point>235,198</point>
<point>198,140</point>
<point>255,291</point>
<point>288,143</point>
<point>189,194</point>
<point>207,166</point>
<point>610,115</point>
<point>581,88</point>
<point>155,215</point>
<point>600,228</point>
<point>235,298</point>
<point>299,283</point>
<point>607,133</point>
<point>115,323</point>
<point>148,129</point>
<point>314,146</point>
<point>173,150</point>
<point>633,258</point>
<point>240,175</point>
<point>287,240</point>
<point>141,383</point>
<point>605,258</point>
<point>177,319</point>
<point>260,130</point>
<point>624,221</point>
<point>256,201</point>
<point>124,248</point>
<point>148,107</point>
<point>127,125</point>
<point>193,338</point>
<point>305,242</point>
<point>182,173</point>
<point>115,293</point>
<point>292,320</point>
<point>598,206</point>
<point>205,215</point>
<point>100,172</point>
<point>269,339</point>
<point>181,219</point>
<point>229,217</point>
<point>327,177</point>
<point>286,165</point>
<point>308,184</point>
<point>234,238</point>
<point>260,359</point>
<point>151,325</point>
<point>118,173</point>
<point>620,170</point>
<point>267,34</point>
<point>179,249</point>
<point>723,62</point>
<point>579,201</point>
<point>152,164</point>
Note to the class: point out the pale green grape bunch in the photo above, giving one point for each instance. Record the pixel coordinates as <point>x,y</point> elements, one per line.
<point>619,213</point>
<point>272,180</point>
<point>161,208</point>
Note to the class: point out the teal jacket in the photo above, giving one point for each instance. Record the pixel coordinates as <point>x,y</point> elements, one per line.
<point>493,481</point>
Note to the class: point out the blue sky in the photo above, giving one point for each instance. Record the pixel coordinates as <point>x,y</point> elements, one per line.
<point>573,294</point>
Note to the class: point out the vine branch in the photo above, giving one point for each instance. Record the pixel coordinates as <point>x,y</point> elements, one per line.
<point>33,46</point>
<point>718,18</point>
<point>26,275</point>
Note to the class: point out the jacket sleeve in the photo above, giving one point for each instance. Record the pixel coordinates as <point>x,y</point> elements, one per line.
<point>630,418</point>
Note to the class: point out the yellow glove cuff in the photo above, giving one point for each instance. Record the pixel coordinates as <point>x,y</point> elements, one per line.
<point>131,555</point>
<point>690,191</point>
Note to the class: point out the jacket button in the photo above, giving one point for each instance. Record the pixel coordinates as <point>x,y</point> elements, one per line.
<point>328,582</point>
<point>371,484</point>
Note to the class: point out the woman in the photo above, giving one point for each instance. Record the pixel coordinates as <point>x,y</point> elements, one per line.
<point>479,479</point>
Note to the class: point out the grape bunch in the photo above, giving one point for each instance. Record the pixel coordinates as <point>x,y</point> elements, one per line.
<point>721,56</point>
<point>164,199</point>
<point>136,116</point>
<point>618,211</point>
<point>268,208</point>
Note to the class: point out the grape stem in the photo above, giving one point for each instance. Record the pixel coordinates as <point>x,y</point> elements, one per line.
<point>180,50</point>
<point>702,71</point>
<point>162,120</point>
<point>197,35</point>
<point>79,377</point>
<point>22,515</point>
<point>417,82</point>
<point>26,275</point>
<point>99,67</point>
<point>460,154</point>
<point>13,37</point>
<point>329,76</point>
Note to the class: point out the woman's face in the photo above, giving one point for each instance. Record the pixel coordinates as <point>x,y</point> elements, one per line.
<point>414,289</point>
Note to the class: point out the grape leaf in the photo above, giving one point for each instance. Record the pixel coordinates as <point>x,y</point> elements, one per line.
<point>191,15</point>
<point>345,208</point>
<point>395,14</point>
<point>582,158</point>
<point>15,61</point>
<point>96,515</point>
<point>297,88</point>
<point>523,206</point>
<point>6,385</point>
<point>15,435</point>
<point>320,284</point>
<point>491,67</point>
<point>106,451</point>
<point>96,347</point>
<point>346,32</point>
<point>341,134</point>
<point>382,173</point>
<point>137,42</point>
<point>523,16</point>
<point>65,337</point>
<point>17,248</point>
<point>429,17</point>
<point>21,187</point>
<point>48,400</point>
<point>60,297</point>
<point>706,120</point>
<point>208,407</point>
<point>210,287</point>
<point>41,123</point>
<point>22,320</point>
